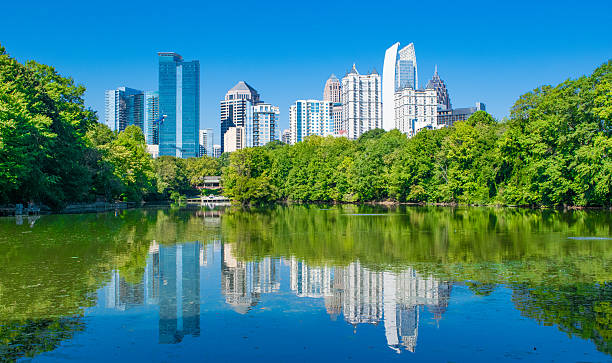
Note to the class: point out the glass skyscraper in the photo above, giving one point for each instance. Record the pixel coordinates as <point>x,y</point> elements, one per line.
<point>124,107</point>
<point>179,100</point>
<point>151,114</point>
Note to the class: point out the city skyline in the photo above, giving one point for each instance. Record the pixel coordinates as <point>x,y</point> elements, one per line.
<point>486,47</point>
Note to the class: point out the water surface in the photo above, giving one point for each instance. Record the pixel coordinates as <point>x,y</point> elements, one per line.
<point>344,283</point>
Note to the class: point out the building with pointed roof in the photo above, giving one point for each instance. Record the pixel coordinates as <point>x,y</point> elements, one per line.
<point>438,84</point>
<point>236,109</point>
<point>331,92</point>
<point>361,103</point>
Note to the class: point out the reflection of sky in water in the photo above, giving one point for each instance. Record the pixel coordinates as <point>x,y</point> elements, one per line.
<point>201,302</point>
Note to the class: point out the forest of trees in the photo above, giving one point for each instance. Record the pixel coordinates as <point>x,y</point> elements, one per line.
<point>53,150</point>
<point>553,150</point>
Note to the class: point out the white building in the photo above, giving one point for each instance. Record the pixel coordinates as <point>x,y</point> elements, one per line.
<point>234,139</point>
<point>262,128</point>
<point>361,103</point>
<point>286,136</point>
<point>415,110</point>
<point>310,117</point>
<point>216,151</point>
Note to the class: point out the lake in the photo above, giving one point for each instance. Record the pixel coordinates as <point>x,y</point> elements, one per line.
<point>308,283</point>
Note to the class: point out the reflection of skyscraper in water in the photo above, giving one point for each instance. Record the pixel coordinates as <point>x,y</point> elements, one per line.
<point>363,295</point>
<point>309,281</point>
<point>179,297</point>
<point>405,293</point>
<point>366,296</point>
<point>242,283</point>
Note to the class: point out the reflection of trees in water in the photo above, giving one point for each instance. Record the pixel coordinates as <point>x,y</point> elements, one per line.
<point>19,339</point>
<point>584,310</point>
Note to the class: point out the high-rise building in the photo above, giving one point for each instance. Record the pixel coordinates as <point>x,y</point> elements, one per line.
<point>331,93</point>
<point>450,116</point>
<point>262,128</point>
<point>216,151</point>
<point>415,110</point>
<point>339,126</point>
<point>236,108</point>
<point>179,100</point>
<point>443,99</point>
<point>361,103</point>
<point>399,71</point>
<point>234,139</point>
<point>151,116</point>
<point>406,74</point>
<point>310,117</point>
<point>286,136</point>
<point>124,107</point>
<point>206,142</point>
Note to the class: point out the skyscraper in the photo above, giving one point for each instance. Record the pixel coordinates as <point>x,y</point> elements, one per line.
<point>236,108</point>
<point>262,129</point>
<point>179,99</point>
<point>124,107</point>
<point>436,83</point>
<point>399,72</point>
<point>151,114</point>
<point>361,103</point>
<point>206,142</point>
<point>331,93</point>
<point>310,117</point>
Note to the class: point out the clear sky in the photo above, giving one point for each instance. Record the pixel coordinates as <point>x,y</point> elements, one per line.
<point>486,51</point>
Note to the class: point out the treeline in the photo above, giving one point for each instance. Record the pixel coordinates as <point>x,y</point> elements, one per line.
<point>555,149</point>
<point>53,150</point>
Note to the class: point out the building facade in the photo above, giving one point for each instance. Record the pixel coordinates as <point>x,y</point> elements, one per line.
<point>237,108</point>
<point>331,93</point>
<point>234,139</point>
<point>216,151</point>
<point>399,71</point>
<point>415,110</point>
<point>206,138</point>
<point>179,100</point>
<point>262,129</point>
<point>310,117</point>
<point>361,103</point>
<point>151,117</point>
<point>286,136</point>
<point>450,116</point>
<point>124,107</point>
<point>443,98</point>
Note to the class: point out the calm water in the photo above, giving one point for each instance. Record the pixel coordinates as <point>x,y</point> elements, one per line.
<point>308,284</point>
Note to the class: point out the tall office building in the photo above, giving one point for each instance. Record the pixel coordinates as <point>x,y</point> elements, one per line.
<point>124,107</point>
<point>179,99</point>
<point>262,128</point>
<point>443,99</point>
<point>151,116</point>
<point>361,103</point>
<point>415,110</point>
<point>339,126</point>
<point>331,93</point>
<point>236,108</point>
<point>399,72</point>
<point>406,69</point>
<point>206,142</point>
<point>310,117</point>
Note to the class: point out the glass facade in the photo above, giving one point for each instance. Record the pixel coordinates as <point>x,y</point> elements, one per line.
<point>124,107</point>
<point>151,110</point>
<point>179,100</point>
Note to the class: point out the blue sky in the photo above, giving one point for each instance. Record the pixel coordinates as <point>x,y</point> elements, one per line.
<point>485,51</point>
